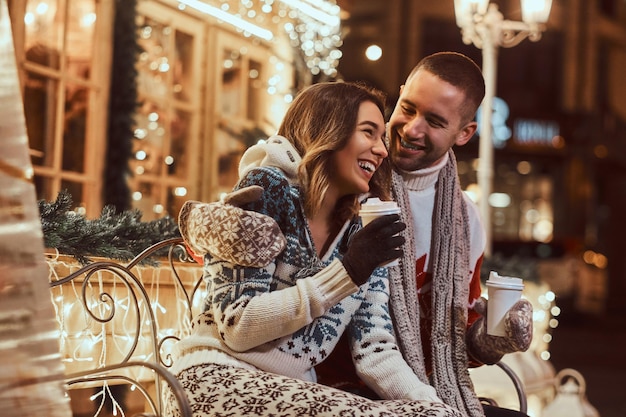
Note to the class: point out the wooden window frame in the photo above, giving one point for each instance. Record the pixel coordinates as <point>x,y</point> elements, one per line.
<point>90,180</point>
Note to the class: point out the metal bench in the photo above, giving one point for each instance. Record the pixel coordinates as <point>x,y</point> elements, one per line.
<point>107,307</point>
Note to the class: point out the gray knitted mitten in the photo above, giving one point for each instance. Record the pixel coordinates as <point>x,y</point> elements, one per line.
<point>489,349</point>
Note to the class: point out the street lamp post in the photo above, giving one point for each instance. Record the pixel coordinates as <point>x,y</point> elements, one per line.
<point>483,25</point>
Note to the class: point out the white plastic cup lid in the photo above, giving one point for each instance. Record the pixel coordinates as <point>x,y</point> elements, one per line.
<point>498,281</point>
<point>376,205</point>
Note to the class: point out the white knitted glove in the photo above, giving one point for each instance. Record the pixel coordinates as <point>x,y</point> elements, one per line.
<point>229,233</point>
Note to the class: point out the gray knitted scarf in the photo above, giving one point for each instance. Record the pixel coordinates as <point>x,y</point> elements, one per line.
<point>450,268</point>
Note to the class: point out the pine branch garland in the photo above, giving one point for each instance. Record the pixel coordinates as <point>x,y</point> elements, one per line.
<point>120,236</point>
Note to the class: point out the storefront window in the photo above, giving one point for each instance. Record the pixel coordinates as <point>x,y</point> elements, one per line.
<point>206,90</point>
<point>166,123</point>
<point>56,54</point>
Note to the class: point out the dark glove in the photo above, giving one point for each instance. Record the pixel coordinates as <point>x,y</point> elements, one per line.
<point>375,244</point>
<point>518,324</point>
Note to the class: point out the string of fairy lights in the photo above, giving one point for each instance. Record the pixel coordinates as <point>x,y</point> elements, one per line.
<point>99,327</point>
<point>303,38</point>
<point>313,26</point>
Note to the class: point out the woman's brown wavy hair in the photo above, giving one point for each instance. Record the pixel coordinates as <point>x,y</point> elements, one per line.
<point>320,121</point>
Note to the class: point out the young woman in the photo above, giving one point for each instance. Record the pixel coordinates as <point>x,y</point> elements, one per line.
<point>267,324</point>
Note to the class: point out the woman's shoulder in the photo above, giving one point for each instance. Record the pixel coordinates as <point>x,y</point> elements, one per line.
<point>273,180</point>
<point>266,176</point>
<point>280,198</point>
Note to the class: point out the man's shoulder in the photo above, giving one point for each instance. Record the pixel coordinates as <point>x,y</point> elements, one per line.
<point>477,230</point>
<point>472,207</point>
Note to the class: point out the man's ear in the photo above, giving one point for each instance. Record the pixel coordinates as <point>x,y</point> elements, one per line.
<point>466,133</point>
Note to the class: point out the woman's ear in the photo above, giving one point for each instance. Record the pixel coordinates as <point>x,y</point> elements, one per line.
<point>466,133</point>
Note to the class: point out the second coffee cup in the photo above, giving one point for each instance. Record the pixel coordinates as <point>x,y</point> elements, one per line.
<point>503,293</point>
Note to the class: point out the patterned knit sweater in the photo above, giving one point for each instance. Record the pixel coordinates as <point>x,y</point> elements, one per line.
<point>287,316</point>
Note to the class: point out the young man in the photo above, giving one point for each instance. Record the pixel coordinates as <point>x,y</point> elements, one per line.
<point>438,315</point>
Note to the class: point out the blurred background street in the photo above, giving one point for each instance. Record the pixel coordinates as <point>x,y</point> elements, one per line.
<point>596,348</point>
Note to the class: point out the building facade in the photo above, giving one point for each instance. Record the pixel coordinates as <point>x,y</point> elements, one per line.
<point>192,83</point>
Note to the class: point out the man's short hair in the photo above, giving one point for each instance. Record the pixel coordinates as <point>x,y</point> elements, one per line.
<point>460,71</point>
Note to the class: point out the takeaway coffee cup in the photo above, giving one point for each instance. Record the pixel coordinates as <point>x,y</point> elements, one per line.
<point>503,293</point>
<point>374,207</point>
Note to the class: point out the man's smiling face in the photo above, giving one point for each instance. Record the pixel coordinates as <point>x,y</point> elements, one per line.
<point>426,122</point>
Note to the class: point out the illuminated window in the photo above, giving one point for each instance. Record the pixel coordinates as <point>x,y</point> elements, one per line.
<point>64,80</point>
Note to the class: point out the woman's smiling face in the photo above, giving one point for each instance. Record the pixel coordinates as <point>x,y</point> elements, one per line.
<point>353,165</point>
